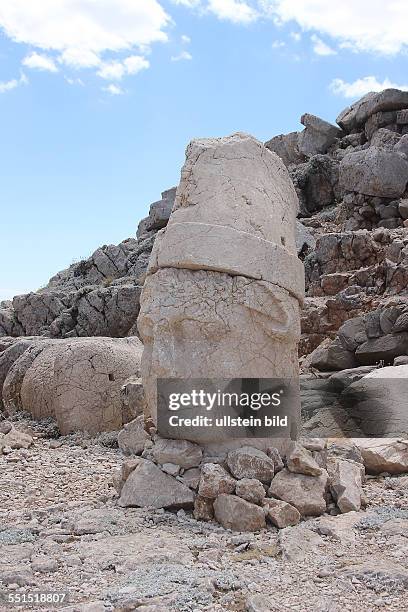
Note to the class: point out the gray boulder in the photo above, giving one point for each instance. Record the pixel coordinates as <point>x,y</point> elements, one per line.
<point>286,147</point>
<point>316,183</point>
<point>354,116</point>
<point>332,355</point>
<point>401,146</point>
<point>251,490</point>
<point>9,325</point>
<point>300,461</point>
<point>317,136</point>
<point>280,513</point>
<point>384,348</point>
<point>374,172</point>
<point>159,213</point>
<point>133,398</point>
<point>305,241</point>
<point>132,438</point>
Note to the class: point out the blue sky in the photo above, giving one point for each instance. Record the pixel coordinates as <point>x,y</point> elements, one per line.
<point>98,100</point>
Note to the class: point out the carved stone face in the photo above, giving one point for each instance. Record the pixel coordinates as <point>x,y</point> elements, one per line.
<point>206,324</point>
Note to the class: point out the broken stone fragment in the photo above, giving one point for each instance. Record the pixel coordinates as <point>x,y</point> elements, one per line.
<point>286,147</point>
<point>306,493</point>
<point>133,398</point>
<point>301,461</point>
<point>171,468</point>
<point>214,481</point>
<point>317,136</point>
<point>251,490</point>
<point>148,486</point>
<point>384,455</point>
<point>249,462</point>
<point>191,478</point>
<point>180,452</point>
<point>275,455</point>
<point>237,514</point>
<point>314,444</point>
<point>203,509</point>
<point>346,479</point>
<point>280,513</point>
<point>298,543</point>
<point>17,439</point>
<point>132,438</point>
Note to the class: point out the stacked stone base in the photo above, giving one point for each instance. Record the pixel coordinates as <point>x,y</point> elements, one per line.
<point>248,489</point>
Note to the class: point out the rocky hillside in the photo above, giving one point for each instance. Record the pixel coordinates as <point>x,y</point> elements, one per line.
<point>351,180</point>
<point>352,186</point>
<point>98,296</point>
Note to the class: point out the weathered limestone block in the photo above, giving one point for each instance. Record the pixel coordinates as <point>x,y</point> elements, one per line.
<point>223,287</point>
<point>10,355</point>
<point>159,213</point>
<point>133,398</point>
<point>203,509</point>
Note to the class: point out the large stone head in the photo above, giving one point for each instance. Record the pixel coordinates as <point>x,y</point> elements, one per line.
<point>223,288</point>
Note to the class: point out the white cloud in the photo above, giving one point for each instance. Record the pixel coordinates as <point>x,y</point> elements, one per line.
<point>184,55</point>
<point>188,3</point>
<point>362,86</point>
<point>116,70</point>
<point>13,83</point>
<point>79,58</point>
<point>320,47</point>
<point>79,32</point>
<point>364,25</point>
<point>77,81</point>
<point>112,70</point>
<point>135,63</point>
<point>236,11</point>
<point>186,40</point>
<point>38,61</point>
<point>296,36</point>
<point>114,90</point>
<point>278,44</point>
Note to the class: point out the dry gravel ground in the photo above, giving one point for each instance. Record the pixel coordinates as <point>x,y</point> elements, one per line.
<point>61,531</point>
